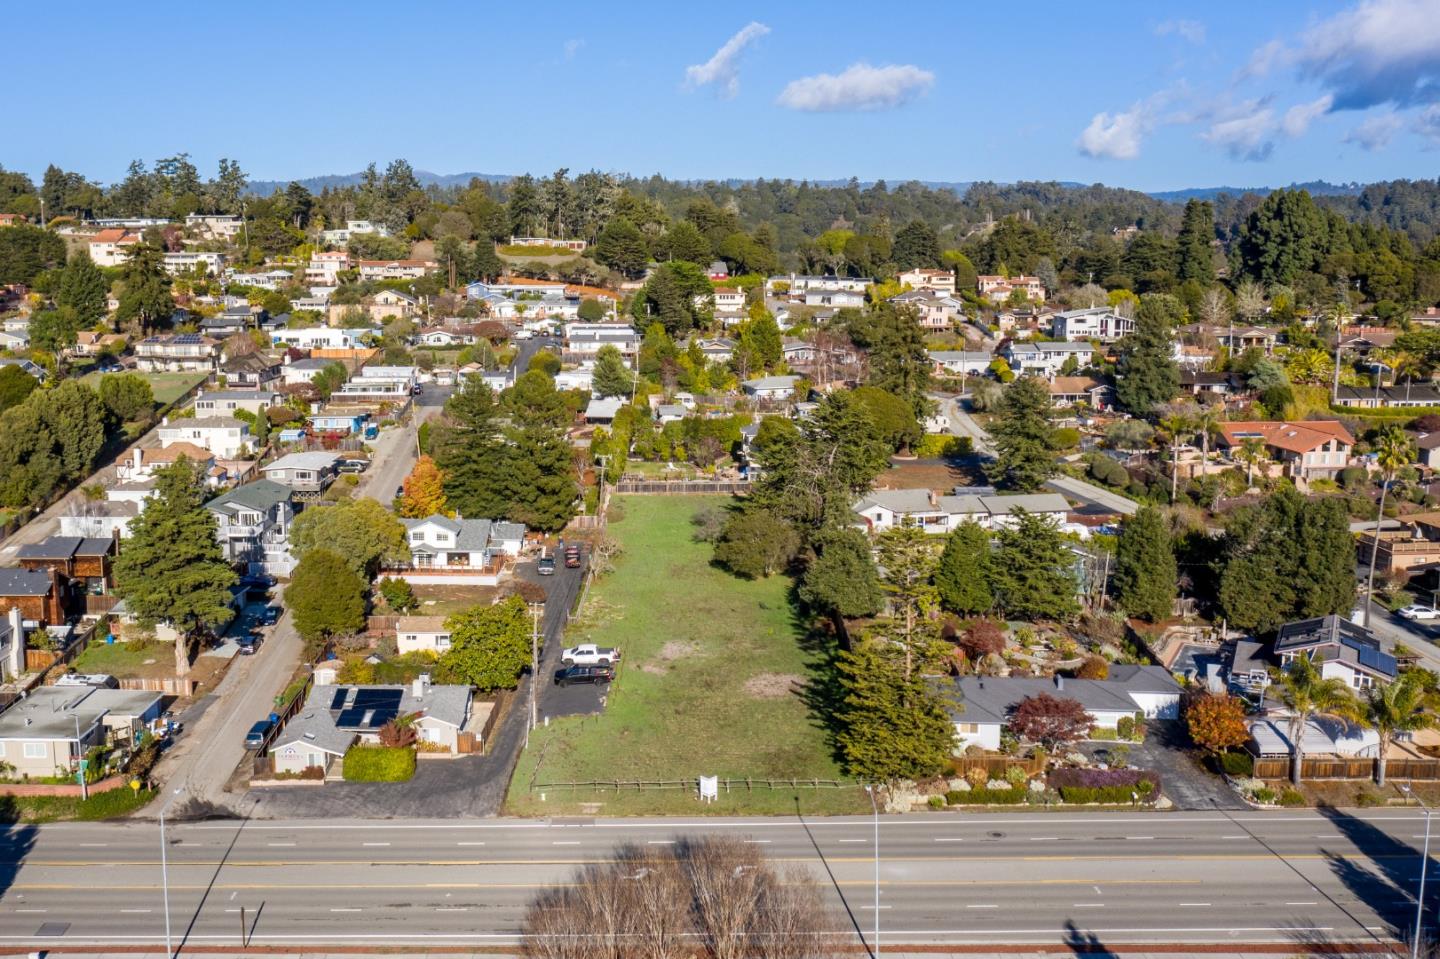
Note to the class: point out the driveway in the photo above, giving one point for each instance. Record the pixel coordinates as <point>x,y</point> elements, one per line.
<point>1185,782</point>
<point>394,450</point>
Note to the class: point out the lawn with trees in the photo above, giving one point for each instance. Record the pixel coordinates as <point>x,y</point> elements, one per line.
<point>712,691</point>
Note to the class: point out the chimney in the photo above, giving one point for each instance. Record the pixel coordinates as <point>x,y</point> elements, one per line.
<point>137,457</point>
<point>421,684</point>
<point>1059,681</point>
<point>164,421</point>
<point>17,641</point>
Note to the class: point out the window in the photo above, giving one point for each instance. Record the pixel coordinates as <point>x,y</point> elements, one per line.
<point>36,751</point>
<point>968,727</point>
<point>442,641</point>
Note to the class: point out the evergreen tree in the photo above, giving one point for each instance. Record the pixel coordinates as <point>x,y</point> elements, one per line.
<point>470,453</point>
<point>1194,259</point>
<point>128,396</point>
<point>1021,433</point>
<point>15,386</point>
<point>906,554</point>
<point>964,573</point>
<point>1147,375</point>
<point>1145,570</point>
<point>756,543</point>
<point>172,570</point>
<point>841,580</point>
<point>424,490</point>
<point>611,377</point>
<point>326,596</point>
<point>1033,571</point>
<point>891,728</point>
<point>760,339</point>
<point>145,289</point>
<point>83,288</point>
<point>899,361</point>
<point>621,246</point>
<point>489,645</point>
<point>54,330</point>
<point>916,246</point>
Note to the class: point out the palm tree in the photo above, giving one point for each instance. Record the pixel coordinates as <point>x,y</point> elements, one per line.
<point>1393,452</point>
<point>1175,426</point>
<point>1397,707</point>
<point>1307,694</point>
<point>1252,454</point>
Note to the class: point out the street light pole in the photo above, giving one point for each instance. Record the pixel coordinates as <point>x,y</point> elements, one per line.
<point>1424,862</point>
<point>165,873</point>
<point>80,758</point>
<point>875,939</point>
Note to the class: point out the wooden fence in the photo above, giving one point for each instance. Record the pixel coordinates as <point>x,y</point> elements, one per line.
<point>996,766</point>
<point>170,685</point>
<point>637,485</point>
<point>1279,768</point>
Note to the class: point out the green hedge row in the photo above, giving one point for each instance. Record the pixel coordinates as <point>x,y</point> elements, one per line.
<point>1383,413</point>
<point>379,764</point>
<point>1105,794</point>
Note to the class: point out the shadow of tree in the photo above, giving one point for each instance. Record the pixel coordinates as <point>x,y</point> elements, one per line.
<point>1082,942</point>
<point>18,839</point>
<point>1388,881</point>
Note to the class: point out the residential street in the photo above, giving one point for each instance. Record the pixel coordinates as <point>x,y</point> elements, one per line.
<point>205,755</point>
<point>395,449</point>
<point>965,879</point>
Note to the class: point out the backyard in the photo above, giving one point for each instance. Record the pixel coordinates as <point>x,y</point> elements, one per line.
<point>711,683</point>
<point>168,387</point>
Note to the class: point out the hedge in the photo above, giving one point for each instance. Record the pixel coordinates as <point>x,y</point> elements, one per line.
<point>379,764</point>
<point>1081,795</point>
<point>1100,785</point>
<point>1383,412</point>
<point>1237,764</point>
<point>987,797</point>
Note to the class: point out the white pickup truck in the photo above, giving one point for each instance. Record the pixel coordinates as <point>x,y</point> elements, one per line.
<point>588,654</point>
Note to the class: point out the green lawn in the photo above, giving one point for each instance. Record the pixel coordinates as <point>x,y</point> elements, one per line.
<point>122,659</point>
<point>168,387</point>
<point>705,687</point>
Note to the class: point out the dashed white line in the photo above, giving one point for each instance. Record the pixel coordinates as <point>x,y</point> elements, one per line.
<point>94,845</point>
<point>344,909</point>
<point>852,840</point>
<point>374,844</point>
<point>948,839</point>
<point>565,842</point>
<point>757,842</point>
<point>660,842</point>
<point>29,910</point>
<point>873,908</point>
<point>1194,903</point>
<point>452,908</point>
<point>1301,904</point>
<point>1139,837</point>
<point>1044,838</point>
<point>279,844</point>
<point>1087,905</point>
<point>469,844</point>
<point>987,906</point>
<point>134,910</point>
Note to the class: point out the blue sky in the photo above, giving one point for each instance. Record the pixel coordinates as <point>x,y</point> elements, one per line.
<point>1144,95</point>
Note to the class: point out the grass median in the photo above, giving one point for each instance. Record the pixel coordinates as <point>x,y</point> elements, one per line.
<point>712,683</point>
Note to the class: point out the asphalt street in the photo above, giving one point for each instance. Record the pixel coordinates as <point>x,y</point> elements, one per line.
<point>1108,879</point>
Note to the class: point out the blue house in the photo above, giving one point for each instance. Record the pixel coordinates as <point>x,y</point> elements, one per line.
<point>345,423</point>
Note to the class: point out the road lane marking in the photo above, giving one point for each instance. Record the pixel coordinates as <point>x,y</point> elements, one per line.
<point>29,910</point>
<point>948,839</point>
<point>134,910</point>
<point>452,908</point>
<point>986,906</point>
<point>469,844</point>
<point>661,842</point>
<point>279,844</point>
<point>873,908</point>
<point>565,842</point>
<point>345,909</point>
<point>374,844</point>
<point>1139,837</point>
<point>852,840</point>
<point>757,842</point>
<point>94,845</point>
<point>1302,904</point>
<point>1044,838</point>
<point>1194,903</point>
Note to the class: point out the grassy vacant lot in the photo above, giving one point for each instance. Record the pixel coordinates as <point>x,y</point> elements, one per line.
<point>710,684</point>
<point>168,387</point>
<point>126,659</point>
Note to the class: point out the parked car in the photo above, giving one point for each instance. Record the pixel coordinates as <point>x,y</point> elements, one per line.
<point>270,616</point>
<point>110,367</point>
<point>572,557</point>
<point>570,675</point>
<point>255,738</point>
<point>522,335</point>
<point>352,465</point>
<point>248,644</point>
<point>546,566</point>
<point>1419,613</point>
<point>588,654</point>
<point>256,582</point>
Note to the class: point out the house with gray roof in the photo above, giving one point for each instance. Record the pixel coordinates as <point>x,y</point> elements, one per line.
<point>306,473</point>
<point>335,718</point>
<point>44,733</point>
<point>458,551</point>
<point>253,526</point>
<point>1339,649</point>
<point>984,704</point>
<point>774,388</point>
<point>883,509</point>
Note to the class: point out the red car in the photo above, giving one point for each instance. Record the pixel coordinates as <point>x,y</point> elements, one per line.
<point>572,557</point>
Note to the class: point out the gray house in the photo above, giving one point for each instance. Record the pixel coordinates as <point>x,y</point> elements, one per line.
<point>307,474</point>
<point>253,526</point>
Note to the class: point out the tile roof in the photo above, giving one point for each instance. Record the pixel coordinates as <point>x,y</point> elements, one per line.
<point>1299,437</point>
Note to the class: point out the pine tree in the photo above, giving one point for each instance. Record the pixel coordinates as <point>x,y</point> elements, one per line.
<point>842,579</point>
<point>172,570</point>
<point>1194,258</point>
<point>611,377</point>
<point>471,453</point>
<point>1033,571</point>
<point>916,246</point>
<point>424,490</point>
<point>963,575</point>
<point>145,294</point>
<point>1147,375</point>
<point>83,288</point>
<point>1021,432</point>
<point>891,728</point>
<point>1145,570</point>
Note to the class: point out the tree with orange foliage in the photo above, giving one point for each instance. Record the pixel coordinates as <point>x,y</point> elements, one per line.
<point>1217,722</point>
<point>424,490</point>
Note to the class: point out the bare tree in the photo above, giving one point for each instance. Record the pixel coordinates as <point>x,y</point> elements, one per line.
<point>712,897</point>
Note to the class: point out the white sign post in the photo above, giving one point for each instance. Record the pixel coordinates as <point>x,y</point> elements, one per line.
<point>709,788</point>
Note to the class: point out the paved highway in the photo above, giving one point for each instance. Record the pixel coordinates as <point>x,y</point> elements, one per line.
<point>956,879</point>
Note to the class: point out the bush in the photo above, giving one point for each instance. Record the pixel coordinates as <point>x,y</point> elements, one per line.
<point>977,776</point>
<point>1291,797</point>
<point>936,802</point>
<point>378,764</point>
<point>1354,477</point>
<point>1265,796</point>
<point>1236,764</point>
<point>1105,785</point>
<point>1130,729</point>
<point>1094,667</point>
<point>113,803</point>
<point>987,797</point>
<point>1016,776</point>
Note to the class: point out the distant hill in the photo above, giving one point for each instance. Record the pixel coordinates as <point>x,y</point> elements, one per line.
<point>1316,188</point>
<point>317,183</point>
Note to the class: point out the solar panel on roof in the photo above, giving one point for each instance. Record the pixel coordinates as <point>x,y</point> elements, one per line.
<point>379,698</point>
<point>350,718</point>
<point>338,702</point>
<point>188,338</point>
<point>380,717</point>
<point>1375,659</point>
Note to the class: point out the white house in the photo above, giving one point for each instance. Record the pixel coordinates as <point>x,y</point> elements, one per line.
<point>187,261</point>
<point>936,312</point>
<point>586,339</point>
<point>458,551</point>
<point>422,634</point>
<point>1045,359</point>
<point>936,281</point>
<point>984,704</point>
<point>838,299</point>
<point>884,509</point>
<point>226,402</point>
<point>395,269</point>
<point>340,237</point>
<point>219,225</point>
<point>956,362</point>
<point>222,435</point>
<point>1339,648</point>
<point>112,247</point>
<point>1099,323</point>
<point>771,387</point>
<point>176,353</point>
<point>322,338</point>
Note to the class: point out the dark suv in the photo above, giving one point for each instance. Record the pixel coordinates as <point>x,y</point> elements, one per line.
<point>571,675</point>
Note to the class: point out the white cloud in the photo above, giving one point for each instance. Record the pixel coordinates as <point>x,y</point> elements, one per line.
<point>572,47</point>
<point>1380,51</point>
<point>1427,124</point>
<point>1192,30</point>
<point>859,87</point>
<point>1299,117</point>
<point>1374,133</point>
<point>721,69</point>
<point>1264,59</point>
<point>1115,136</point>
<point>1246,132</point>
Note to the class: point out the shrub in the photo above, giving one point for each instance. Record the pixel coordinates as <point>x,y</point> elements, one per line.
<point>1094,667</point>
<point>1354,477</point>
<point>977,776</point>
<point>1105,785</point>
<point>936,802</point>
<point>1291,797</point>
<point>113,803</point>
<point>987,797</point>
<point>1130,728</point>
<point>1015,775</point>
<point>1265,796</point>
<point>378,764</point>
<point>1237,764</point>
<point>981,638</point>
